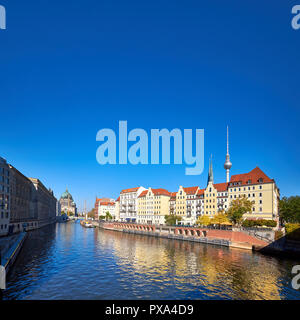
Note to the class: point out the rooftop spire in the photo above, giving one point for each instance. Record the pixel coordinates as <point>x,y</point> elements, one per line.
<point>210,172</point>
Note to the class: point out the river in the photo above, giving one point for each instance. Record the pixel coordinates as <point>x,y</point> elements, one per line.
<point>67,261</point>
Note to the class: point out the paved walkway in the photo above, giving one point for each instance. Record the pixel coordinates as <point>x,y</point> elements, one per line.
<point>8,246</point>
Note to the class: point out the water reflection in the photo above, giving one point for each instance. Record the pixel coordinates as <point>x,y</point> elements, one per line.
<point>67,261</point>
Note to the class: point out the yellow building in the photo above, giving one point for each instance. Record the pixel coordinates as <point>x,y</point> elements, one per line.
<point>257,187</point>
<point>153,206</point>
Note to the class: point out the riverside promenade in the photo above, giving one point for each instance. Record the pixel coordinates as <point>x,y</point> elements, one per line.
<point>10,247</point>
<point>236,239</point>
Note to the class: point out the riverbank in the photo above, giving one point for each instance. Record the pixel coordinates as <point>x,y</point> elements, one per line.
<point>10,247</point>
<point>235,239</point>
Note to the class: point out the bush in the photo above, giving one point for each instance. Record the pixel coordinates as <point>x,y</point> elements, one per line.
<point>278,234</point>
<point>271,223</point>
<point>259,223</point>
<point>293,231</point>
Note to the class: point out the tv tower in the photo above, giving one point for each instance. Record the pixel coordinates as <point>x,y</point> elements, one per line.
<point>227,164</point>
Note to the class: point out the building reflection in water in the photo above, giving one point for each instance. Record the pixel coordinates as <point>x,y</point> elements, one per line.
<point>229,273</point>
<point>67,261</point>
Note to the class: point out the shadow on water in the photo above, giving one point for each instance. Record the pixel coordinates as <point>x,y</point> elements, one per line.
<point>287,246</point>
<point>67,261</point>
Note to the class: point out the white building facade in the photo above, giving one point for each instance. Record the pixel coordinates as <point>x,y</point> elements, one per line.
<point>129,204</point>
<point>105,207</point>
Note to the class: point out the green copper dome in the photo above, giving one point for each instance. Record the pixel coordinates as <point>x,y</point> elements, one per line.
<point>66,195</point>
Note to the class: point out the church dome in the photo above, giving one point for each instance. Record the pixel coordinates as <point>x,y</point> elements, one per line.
<point>67,195</point>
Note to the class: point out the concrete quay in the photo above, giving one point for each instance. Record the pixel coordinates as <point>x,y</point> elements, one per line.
<point>226,238</point>
<point>10,248</point>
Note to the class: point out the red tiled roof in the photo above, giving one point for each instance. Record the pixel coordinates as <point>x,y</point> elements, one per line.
<point>190,190</point>
<point>161,192</point>
<point>130,190</point>
<point>143,194</point>
<point>107,203</point>
<point>200,192</point>
<point>102,200</point>
<point>253,175</point>
<point>157,192</point>
<point>173,194</point>
<point>118,199</point>
<point>221,186</point>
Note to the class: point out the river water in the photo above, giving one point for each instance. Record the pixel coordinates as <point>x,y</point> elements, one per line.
<point>67,261</point>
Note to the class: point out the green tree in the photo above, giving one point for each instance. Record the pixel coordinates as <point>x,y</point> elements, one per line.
<point>289,209</point>
<point>91,214</point>
<point>204,221</point>
<point>220,218</point>
<point>171,220</point>
<point>108,216</point>
<point>237,209</point>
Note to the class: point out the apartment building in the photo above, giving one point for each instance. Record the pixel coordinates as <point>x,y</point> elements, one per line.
<point>129,204</point>
<point>105,207</point>
<point>153,206</point>
<point>257,187</point>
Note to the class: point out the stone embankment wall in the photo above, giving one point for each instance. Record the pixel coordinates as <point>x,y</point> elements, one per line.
<point>212,236</point>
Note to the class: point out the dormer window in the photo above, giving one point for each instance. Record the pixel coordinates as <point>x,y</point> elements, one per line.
<point>249,181</point>
<point>260,180</point>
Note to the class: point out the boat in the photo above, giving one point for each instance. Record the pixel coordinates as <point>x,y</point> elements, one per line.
<point>86,224</point>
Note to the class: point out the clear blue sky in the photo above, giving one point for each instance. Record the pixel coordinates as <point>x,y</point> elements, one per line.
<point>71,68</point>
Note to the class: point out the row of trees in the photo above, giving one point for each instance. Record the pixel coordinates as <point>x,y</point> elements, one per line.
<point>92,214</point>
<point>289,209</point>
<point>234,216</point>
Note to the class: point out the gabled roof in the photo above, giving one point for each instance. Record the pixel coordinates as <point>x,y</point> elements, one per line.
<point>173,194</point>
<point>130,190</point>
<point>200,192</point>
<point>143,194</point>
<point>190,190</point>
<point>107,203</point>
<point>253,175</point>
<point>157,192</point>
<point>118,199</point>
<point>161,192</point>
<point>221,186</point>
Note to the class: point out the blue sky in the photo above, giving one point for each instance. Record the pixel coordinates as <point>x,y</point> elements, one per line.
<point>71,68</point>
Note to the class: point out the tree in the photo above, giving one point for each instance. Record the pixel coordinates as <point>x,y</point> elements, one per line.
<point>204,221</point>
<point>171,220</point>
<point>237,209</point>
<point>220,218</point>
<point>91,214</point>
<point>108,216</point>
<point>289,209</point>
